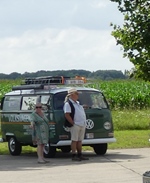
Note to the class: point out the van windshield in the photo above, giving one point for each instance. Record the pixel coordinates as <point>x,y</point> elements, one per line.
<point>91,99</point>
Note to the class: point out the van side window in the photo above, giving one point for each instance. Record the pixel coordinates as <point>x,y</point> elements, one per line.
<point>59,100</point>
<point>11,103</point>
<point>28,102</point>
<point>45,100</point>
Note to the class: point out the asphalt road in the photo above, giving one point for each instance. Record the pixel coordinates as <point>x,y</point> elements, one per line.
<point>117,166</point>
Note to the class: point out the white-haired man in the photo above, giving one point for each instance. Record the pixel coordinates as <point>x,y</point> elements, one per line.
<point>78,123</point>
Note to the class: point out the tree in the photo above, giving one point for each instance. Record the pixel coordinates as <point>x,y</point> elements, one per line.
<point>134,35</point>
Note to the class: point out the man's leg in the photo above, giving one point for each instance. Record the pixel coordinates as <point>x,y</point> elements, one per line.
<point>73,146</point>
<point>79,147</point>
<point>74,137</point>
<point>79,143</point>
<point>81,133</point>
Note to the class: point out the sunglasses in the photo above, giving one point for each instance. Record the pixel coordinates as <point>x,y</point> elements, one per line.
<point>38,107</point>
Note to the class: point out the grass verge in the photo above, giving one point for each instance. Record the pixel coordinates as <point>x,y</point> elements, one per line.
<point>125,139</point>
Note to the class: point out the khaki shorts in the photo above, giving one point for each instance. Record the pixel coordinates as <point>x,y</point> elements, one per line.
<point>77,133</point>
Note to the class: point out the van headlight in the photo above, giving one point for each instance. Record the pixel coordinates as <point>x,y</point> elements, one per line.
<point>107,125</point>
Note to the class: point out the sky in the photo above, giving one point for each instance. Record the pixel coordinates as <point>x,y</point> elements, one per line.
<point>59,35</point>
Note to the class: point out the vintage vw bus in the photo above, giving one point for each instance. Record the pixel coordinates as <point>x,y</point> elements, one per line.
<point>18,105</point>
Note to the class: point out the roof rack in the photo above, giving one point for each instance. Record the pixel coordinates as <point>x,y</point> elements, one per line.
<point>46,80</point>
<point>41,82</point>
<point>28,87</point>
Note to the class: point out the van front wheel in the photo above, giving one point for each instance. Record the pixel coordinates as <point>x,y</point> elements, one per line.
<point>49,151</point>
<point>100,149</point>
<point>14,146</point>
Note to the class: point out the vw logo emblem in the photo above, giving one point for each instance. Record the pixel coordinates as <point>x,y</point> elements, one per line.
<point>89,124</point>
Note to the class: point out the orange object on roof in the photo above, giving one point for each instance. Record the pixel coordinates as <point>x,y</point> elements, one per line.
<point>81,78</point>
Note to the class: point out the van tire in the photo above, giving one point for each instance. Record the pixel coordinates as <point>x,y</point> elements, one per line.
<point>49,151</point>
<point>100,149</point>
<point>66,149</point>
<point>14,146</point>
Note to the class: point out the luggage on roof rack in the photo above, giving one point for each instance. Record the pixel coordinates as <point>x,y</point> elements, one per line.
<point>46,80</point>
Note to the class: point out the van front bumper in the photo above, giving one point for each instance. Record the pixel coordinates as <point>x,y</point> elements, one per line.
<point>86,142</point>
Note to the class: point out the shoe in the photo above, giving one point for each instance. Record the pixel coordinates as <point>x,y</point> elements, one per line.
<point>83,158</point>
<point>75,158</point>
<point>41,162</point>
<point>46,160</point>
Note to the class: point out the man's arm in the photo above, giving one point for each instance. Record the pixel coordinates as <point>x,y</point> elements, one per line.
<point>69,119</point>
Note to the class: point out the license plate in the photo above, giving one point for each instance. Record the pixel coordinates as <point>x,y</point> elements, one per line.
<point>89,135</point>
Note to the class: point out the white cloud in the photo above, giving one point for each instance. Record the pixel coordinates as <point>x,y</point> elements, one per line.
<point>52,49</point>
<point>99,4</point>
<point>59,34</point>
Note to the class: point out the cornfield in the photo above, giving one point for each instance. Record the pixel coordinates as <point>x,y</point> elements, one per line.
<point>6,86</point>
<point>125,94</point>
<point>120,94</point>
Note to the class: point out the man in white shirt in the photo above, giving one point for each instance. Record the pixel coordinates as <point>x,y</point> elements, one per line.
<point>78,123</point>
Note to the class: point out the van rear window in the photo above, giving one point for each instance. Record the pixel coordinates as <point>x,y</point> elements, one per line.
<point>12,103</point>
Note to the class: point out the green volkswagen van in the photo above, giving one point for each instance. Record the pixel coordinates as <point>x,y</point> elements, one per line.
<point>17,106</point>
